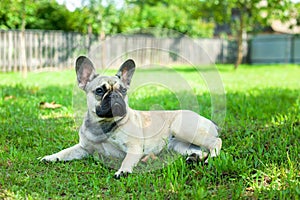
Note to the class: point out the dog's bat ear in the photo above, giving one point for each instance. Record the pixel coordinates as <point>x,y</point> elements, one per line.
<point>126,71</point>
<point>85,71</point>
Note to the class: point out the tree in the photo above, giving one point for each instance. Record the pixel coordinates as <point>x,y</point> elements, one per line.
<point>297,7</point>
<point>165,15</point>
<point>49,15</point>
<point>33,14</point>
<point>10,20</point>
<point>8,17</point>
<point>245,15</point>
<point>95,18</point>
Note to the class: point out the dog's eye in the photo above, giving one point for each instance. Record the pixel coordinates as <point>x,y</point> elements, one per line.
<point>99,91</point>
<point>123,90</point>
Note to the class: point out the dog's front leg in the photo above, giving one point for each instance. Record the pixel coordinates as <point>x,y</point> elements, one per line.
<point>131,159</point>
<point>71,153</point>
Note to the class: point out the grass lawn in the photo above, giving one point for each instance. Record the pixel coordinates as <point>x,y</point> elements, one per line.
<point>259,158</point>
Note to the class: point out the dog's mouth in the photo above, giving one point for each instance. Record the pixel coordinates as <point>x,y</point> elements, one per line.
<point>118,110</point>
<point>111,107</point>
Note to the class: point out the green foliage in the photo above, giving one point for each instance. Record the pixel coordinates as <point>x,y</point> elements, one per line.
<point>252,12</point>
<point>11,13</point>
<point>42,14</point>
<point>259,158</point>
<point>165,15</point>
<point>98,19</point>
<point>192,17</point>
<point>49,15</point>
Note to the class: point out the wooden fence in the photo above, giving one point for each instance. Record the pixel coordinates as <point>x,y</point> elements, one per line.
<point>147,50</point>
<point>43,49</point>
<point>58,50</point>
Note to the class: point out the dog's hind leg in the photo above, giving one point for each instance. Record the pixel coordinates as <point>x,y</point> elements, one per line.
<point>194,153</point>
<point>194,129</point>
<point>212,144</point>
<point>71,153</point>
<point>215,147</point>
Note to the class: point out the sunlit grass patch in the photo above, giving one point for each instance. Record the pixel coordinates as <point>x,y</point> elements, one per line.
<point>259,158</point>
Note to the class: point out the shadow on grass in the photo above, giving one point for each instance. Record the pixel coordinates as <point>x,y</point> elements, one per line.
<point>261,129</point>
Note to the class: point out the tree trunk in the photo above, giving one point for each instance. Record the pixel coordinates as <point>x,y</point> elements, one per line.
<point>22,42</point>
<point>240,49</point>
<point>90,35</point>
<point>103,49</point>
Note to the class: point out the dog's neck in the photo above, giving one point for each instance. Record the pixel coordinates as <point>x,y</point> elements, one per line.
<point>104,125</point>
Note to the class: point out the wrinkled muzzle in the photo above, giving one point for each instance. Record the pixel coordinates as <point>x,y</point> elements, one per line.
<point>113,105</point>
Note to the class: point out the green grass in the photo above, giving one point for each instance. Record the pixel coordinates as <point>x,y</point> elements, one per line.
<point>259,158</point>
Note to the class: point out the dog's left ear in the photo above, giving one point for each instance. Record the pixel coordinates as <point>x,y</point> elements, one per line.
<point>126,71</point>
<point>85,71</point>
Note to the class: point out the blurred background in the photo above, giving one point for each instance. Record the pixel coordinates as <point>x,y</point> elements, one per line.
<point>37,35</point>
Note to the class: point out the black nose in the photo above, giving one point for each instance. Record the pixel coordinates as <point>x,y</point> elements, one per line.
<point>114,95</point>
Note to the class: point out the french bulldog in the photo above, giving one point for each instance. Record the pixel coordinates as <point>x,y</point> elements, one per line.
<point>111,128</point>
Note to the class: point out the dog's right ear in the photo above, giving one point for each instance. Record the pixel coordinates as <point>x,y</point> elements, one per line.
<point>85,71</point>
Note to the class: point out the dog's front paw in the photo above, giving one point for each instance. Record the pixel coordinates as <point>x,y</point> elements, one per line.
<point>50,158</point>
<point>120,174</point>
